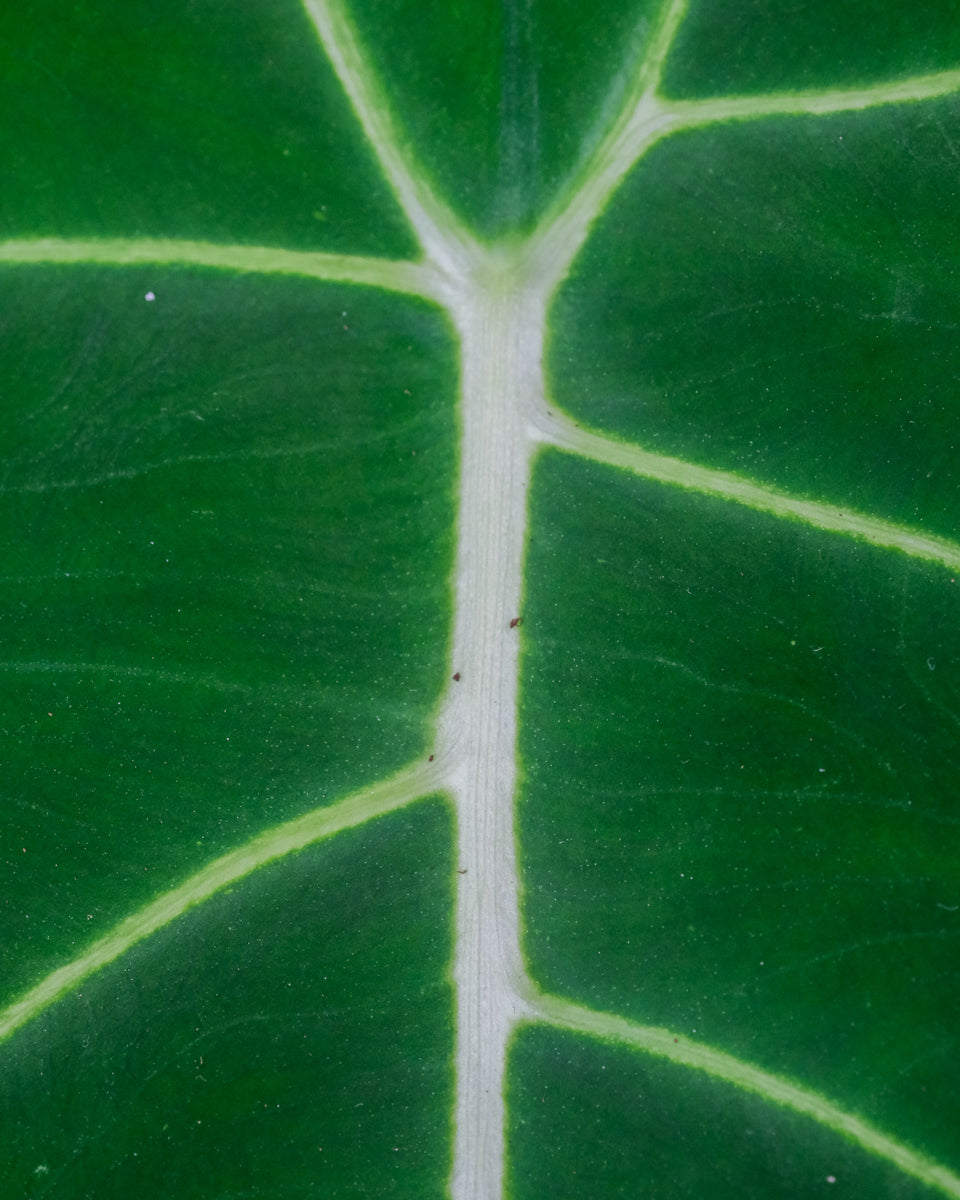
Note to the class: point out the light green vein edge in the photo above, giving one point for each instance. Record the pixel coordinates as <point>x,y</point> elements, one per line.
<point>663,1044</point>
<point>689,113</point>
<point>563,434</point>
<point>647,117</point>
<point>416,279</point>
<point>438,230</point>
<point>403,788</point>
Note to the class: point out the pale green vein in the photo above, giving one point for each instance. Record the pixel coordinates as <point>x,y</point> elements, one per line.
<point>645,117</point>
<point>557,430</point>
<point>386,796</point>
<point>661,1042</point>
<point>661,41</point>
<point>411,278</point>
<point>688,113</point>
<point>166,464</point>
<point>640,121</point>
<point>440,233</point>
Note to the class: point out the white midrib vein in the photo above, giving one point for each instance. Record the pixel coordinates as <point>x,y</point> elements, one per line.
<point>498,302</point>
<point>500,331</point>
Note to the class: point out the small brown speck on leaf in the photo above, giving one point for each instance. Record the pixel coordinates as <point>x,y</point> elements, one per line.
<point>456,677</point>
<point>515,622</point>
<point>430,759</point>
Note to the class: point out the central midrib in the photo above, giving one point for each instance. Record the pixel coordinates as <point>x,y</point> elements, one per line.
<point>500,326</point>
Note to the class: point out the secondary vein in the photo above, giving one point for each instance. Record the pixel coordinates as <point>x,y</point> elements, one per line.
<point>688,113</point>
<point>662,1043</point>
<point>556,429</point>
<point>416,279</point>
<point>443,238</point>
<point>386,796</point>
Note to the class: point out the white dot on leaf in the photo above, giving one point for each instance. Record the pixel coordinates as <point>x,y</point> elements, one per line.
<point>149,296</point>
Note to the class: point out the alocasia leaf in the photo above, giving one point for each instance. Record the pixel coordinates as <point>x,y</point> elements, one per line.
<point>479,597</point>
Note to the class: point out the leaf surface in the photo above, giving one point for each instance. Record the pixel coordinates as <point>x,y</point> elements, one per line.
<point>479,596</point>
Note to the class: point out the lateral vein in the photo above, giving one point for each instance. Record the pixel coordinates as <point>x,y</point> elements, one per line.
<point>688,113</point>
<point>388,795</point>
<point>557,430</point>
<point>412,278</point>
<point>442,237</point>
<point>662,1043</point>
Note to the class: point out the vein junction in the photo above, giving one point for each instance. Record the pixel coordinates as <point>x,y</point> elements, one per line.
<point>498,300</point>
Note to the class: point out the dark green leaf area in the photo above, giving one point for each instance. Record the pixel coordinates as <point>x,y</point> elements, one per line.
<point>780,299</point>
<point>226,538</point>
<point>739,814</point>
<point>499,101</point>
<point>590,1119</point>
<point>290,1038</point>
<point>727,47</point>
<point>194,119</point>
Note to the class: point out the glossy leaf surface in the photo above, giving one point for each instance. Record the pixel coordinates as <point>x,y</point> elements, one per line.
<point>479,600</point>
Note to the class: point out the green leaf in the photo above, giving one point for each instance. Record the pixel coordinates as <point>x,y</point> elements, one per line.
<point>479,597</point>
